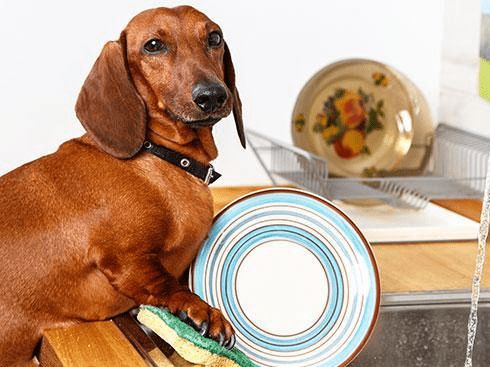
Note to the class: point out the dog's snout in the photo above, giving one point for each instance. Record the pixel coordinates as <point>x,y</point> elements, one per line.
<point>209,97</point>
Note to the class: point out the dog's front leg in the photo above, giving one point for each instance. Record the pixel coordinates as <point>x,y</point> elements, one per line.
<point>142,277</point>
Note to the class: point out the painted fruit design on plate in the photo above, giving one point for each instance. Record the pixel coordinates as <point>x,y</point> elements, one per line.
<point>299,122</point>
<point>347,118</point>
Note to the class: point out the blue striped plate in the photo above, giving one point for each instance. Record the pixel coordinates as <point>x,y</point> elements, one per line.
<point>294,276</point>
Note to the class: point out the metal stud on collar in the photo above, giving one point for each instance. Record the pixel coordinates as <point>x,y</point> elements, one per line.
<point>184,162</point>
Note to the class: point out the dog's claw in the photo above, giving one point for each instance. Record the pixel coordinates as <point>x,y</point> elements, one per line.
<point>203,329</point>
<point>191,323</point>
<point>221,339</point>
<point>182,315</point>
<point>231,342</point>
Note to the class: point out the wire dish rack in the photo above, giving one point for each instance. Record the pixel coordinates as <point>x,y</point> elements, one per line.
<point>457,170</point>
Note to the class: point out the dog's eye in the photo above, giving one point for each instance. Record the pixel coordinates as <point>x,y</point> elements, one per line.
<point>214,39</point>
<point>154,46</point>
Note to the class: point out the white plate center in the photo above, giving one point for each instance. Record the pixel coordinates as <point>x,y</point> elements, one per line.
<point>282,287</point>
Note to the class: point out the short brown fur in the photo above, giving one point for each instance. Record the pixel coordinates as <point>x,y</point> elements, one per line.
<point>99,227</point>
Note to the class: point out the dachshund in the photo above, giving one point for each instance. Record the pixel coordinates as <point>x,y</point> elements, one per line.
<point>103,225</point>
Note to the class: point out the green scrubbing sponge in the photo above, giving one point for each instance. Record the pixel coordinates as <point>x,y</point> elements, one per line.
<point>188,343</point>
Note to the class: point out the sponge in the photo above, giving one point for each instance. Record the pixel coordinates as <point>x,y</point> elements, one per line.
<point>188,343</point>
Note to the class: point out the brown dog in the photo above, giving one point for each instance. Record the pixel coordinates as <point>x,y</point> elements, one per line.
<point>100,226</point>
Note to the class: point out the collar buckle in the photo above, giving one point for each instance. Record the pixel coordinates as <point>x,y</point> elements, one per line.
<point>209,174</point>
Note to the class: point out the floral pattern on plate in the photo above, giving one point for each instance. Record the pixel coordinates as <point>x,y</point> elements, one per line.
<point>347,118</point>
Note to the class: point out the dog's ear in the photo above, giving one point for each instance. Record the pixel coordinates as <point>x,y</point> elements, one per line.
<point>109,106</point>
<point>237,104</point>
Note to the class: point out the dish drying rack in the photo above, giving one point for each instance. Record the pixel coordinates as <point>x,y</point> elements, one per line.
<point>457,170</point>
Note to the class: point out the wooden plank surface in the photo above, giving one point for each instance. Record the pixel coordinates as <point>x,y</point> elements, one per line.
<point>412,267</point>
<point>99,344</point>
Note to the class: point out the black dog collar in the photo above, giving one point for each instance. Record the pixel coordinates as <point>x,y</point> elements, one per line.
<point>202,171</point>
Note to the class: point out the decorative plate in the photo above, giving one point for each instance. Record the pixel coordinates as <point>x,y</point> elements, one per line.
<point>356,113</point>
<point>294,276</point>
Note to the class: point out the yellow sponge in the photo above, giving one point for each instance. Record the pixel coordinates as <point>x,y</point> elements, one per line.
<point>188,343</point>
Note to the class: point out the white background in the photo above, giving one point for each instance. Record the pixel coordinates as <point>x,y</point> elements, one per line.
<point>47,48</point>
<point>460,105</point>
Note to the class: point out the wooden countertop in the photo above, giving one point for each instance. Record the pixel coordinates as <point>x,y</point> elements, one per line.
<point>408,267</point>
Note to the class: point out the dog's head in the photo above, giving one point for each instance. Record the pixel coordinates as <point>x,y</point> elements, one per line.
<point>171,62</point>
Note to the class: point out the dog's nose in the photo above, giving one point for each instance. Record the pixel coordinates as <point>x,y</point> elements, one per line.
<point>209,96</point>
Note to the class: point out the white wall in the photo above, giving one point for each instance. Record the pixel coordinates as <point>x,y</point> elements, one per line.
<point>47,48</point>
<point>460,104</point>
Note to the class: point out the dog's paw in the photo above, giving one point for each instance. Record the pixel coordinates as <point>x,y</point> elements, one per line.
<point>207,320</point>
